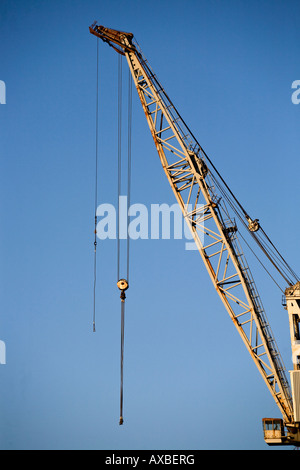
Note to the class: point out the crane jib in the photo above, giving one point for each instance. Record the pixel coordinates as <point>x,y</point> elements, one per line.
<point>195,182</point>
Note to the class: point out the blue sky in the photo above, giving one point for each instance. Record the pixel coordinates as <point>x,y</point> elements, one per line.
<point>189,384</point>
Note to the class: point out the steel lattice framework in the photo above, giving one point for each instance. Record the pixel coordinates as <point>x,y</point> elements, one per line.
<point>214,230</point>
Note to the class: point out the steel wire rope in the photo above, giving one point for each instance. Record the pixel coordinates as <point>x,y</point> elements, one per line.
<point>122,360</point>
<point>282,268</point>
<point>96,185</point>
<point>249,247</point>
<point>163,95</point>
<point>258,240</point>
<point>129,166</point>
<point>234,208</point>
<point>224,208</point>
<point>119,159</point>
<point>289,267</point>
<point>118,231</point>
<point>123,284</point>
<point>285,268</point>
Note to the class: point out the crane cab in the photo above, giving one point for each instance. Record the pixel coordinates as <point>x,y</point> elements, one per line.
<point>275,435</point>
<point>273,431</point>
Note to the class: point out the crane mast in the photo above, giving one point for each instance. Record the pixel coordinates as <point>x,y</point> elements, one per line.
<point>194,184</point>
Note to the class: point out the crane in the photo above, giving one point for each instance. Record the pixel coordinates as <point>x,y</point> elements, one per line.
<point>205,198</point>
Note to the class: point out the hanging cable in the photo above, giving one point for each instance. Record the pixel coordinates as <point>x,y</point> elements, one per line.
<point>129,166</point>
<point>253,225</point>
<point>96,188</point>
<point>291,271</point>
<point>275,258</point>
<point>242,220</point>
<point>123,284</point>
<point>122,358</point>
<point>119,159</point>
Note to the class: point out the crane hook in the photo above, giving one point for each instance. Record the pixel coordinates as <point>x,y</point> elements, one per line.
<point>123,286</point>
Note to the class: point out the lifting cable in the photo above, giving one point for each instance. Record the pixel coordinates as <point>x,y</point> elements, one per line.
<point>129,164</point>
<point>119,160</point>
<point>123,284</point>
<point>238,207</point>
<point>96,187</point>
<point>242,220</point>
<point>292,272</point>
<point>270,251</point>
